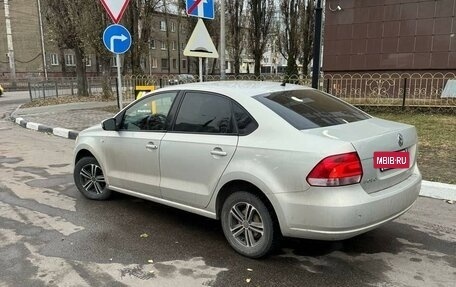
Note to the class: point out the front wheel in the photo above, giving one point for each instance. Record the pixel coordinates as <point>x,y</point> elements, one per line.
<point>248,225</point>
<point>90,180</point>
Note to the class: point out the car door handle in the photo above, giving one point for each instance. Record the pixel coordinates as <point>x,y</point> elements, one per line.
<point>218,152</point>
<point>151,146</point>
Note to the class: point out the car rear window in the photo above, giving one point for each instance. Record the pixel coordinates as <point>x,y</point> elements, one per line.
<point>309,109</point>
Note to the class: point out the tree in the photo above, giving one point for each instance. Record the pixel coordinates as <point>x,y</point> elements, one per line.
<point>138,17</point>
<point>261,15</point>
<point>65,31</point>
<point>290,39</point>
<point>92,31</point>
<point>308,24</point>
<point>235,10</point>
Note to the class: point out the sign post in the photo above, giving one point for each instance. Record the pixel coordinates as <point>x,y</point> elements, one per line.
<point>115,9</point>
<point>200,43</point>
<point>116,38</point>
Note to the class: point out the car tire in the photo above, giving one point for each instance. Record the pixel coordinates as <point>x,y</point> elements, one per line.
<point>89,179</point>
<point>248,225</point>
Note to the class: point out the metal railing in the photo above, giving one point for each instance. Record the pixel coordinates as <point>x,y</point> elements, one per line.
<point>418,90</point>
<point>59,87</point>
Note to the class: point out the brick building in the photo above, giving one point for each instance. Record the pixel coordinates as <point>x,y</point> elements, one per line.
<point>366,36</point>
<point>26,39</point>
<point>28,55</point>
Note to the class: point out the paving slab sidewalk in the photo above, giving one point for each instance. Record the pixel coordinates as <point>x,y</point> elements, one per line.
<point>74,117</point>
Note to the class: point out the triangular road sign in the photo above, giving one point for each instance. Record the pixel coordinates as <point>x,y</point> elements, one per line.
<point>200,43</point>
<point>115,8</point>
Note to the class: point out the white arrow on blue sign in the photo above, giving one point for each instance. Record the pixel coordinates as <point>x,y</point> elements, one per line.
<point>117,39</point>
<point>200,8</point>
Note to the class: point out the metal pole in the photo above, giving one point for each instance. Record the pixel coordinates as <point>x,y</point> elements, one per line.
<point>317,45</point>
<point>201,69</point>
<point>43,51</point>
<point>222,41</point>
<point>9,39</point>
<point>179,42</point>
<point>30,91</point>
<point>119,81</point>
<point>404,94</point>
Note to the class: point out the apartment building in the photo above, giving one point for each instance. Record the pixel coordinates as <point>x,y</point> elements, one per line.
<point>169,37</point>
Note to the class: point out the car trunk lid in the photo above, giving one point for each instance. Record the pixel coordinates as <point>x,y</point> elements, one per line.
<point>374,135</point>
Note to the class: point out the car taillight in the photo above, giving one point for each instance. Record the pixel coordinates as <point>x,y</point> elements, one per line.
<point>337,170</point>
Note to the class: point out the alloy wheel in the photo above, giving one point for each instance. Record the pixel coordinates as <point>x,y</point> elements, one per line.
<point>246,224</point>
<point>92,178</point>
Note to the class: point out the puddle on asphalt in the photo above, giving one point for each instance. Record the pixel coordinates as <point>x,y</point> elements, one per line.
<point>9,160</point>
<point>59,165</point>
<point>52,181</point>
<point>41,171</point>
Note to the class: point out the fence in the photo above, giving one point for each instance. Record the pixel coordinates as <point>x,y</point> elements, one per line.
<point>419,90</point>
<point>395,89</point>
<point>64,87</point>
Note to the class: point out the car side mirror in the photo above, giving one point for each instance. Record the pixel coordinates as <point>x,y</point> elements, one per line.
<point>109,124</point>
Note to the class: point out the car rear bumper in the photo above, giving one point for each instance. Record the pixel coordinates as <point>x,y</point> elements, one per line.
<point>344,212</point>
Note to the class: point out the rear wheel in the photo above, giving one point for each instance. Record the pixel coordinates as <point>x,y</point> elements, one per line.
<point>248,225</point>
<point>90,180</point>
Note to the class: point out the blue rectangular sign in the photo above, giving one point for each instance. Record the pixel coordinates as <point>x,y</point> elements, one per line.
<point>201,8</point>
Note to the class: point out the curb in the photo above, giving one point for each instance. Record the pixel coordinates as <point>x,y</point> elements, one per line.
<point>438,190</point>
<point>60,132</point>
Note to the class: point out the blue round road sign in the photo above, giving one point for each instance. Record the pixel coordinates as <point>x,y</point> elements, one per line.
<point>117,39</point>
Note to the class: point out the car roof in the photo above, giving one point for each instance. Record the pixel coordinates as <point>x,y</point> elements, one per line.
<point>236,89</point>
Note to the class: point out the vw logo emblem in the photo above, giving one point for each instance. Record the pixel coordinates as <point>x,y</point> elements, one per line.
<point>400,140</point>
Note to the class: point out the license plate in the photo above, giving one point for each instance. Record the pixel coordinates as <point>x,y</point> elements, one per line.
<point>391,160</point>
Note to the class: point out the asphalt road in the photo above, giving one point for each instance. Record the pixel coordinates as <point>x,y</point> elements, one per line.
<point>13,98</point>
<point>51,236</point>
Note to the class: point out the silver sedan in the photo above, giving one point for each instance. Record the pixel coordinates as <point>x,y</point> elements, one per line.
<point>267,160</point>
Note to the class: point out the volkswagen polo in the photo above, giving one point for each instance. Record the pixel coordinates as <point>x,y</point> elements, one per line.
<point>266,159</point>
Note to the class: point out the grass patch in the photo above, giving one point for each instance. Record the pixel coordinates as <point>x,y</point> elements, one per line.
<point>436,142</point>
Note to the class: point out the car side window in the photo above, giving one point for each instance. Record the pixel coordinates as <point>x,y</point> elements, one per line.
<point>245,122</point>
<point>149,114</point>
<point>205,113</point>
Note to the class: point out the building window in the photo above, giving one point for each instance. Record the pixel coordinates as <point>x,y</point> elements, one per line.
<point>152,44</point>
<point>182,46</point>
<point>174,64</point>
<point>163,45</point>
<point>69,60</point>
<point>173,27</point>
<point>154,63</point>
<point>54,60</point>
<point>184,64</point>
<point>162,25</point>
<point>164,64</point>
<point>173,45</point>
<point>88,61</point>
